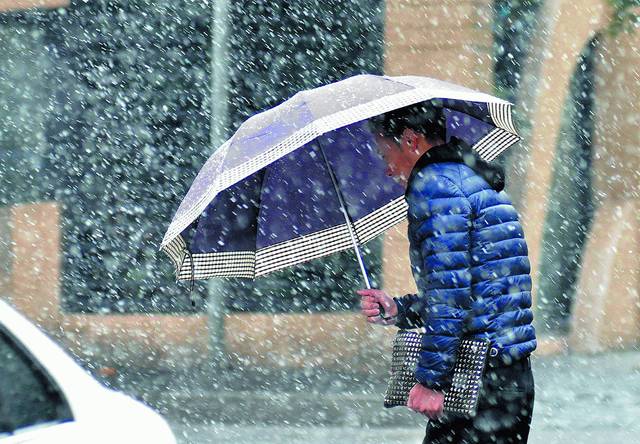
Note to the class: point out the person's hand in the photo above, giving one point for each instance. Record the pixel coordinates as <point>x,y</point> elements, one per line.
<point>426,401</point>
<point>370,303</point>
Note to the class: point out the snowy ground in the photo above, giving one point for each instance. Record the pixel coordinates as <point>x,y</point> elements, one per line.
<point>579,399</point>
<point>353,435</point>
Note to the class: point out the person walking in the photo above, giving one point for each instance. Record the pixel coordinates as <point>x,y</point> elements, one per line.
<point>470,262</point>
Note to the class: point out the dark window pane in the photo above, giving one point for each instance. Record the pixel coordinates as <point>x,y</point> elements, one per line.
<point>27,396</point>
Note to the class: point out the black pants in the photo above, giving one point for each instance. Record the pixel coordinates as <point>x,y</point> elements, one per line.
<point>504,413</point>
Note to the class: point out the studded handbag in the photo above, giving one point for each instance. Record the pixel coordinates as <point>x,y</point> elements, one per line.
<point>462,396</point>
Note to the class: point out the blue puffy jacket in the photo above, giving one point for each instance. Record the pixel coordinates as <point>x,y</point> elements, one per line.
<point>469,260</point>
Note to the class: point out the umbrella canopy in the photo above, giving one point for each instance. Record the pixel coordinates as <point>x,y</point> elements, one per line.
<point>265,199</point>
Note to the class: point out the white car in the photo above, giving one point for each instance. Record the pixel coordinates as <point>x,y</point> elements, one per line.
<point>45,397</point>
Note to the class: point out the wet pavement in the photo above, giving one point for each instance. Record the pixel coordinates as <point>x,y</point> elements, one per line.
<point>579,399</point>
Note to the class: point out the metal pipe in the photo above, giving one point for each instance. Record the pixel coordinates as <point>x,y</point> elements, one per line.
<point>219,118</point>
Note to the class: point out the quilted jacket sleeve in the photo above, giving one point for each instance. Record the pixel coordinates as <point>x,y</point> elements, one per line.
<point>439,230</point>
<point>408,317</point>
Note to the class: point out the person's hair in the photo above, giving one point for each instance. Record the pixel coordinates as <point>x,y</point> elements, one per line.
<point>422,117</point>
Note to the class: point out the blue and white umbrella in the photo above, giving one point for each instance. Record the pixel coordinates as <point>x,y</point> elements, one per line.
<point>304,179</point>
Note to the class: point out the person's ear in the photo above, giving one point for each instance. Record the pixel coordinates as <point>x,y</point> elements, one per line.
<point>409,140</point>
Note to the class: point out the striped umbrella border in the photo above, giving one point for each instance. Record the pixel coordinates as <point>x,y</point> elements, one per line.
<point>250,264</point>
<point>502,136</point>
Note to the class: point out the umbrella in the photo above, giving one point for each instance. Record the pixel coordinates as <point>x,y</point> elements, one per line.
<point>304,179</point>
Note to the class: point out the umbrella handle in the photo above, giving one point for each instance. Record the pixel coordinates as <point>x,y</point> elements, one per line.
<point>347,219</point>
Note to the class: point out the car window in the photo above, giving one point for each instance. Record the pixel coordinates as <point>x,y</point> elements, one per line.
<point>28,397</point>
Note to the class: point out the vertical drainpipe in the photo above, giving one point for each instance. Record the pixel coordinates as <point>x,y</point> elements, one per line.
<point>219,123</point>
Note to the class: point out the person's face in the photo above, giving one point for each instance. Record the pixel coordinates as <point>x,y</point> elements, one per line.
<point>397,153</point>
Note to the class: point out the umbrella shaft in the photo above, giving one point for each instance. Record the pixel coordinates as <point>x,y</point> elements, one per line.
<point>347,219</point>
<point>356,248</point>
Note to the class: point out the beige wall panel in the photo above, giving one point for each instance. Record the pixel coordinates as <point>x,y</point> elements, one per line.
<point>450,37</point>
<point>331,340</point>
<point>35,273</point>
<point>616,160</point>
<point>465,65</point>
<point>575,24</point>
<point>607,304</point>
<point>441,14</point>
<point>606,312</point>
<point>10,5</point>
<point>296,340</point>
<point>398,279</point>
<point>154,341</point>
<point>6,253</point>
<point>117,340</point>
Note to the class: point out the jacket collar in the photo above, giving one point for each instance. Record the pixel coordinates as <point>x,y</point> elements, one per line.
<point>457,150</point>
